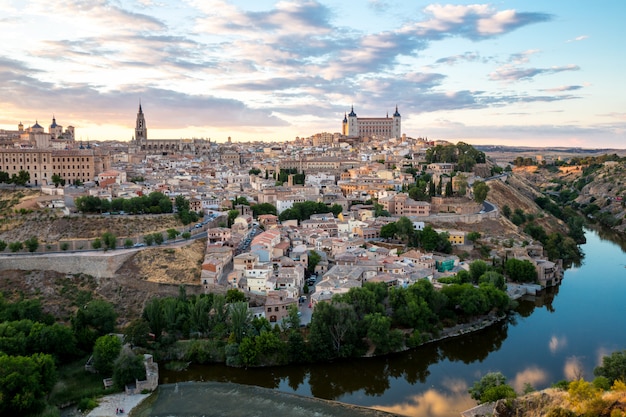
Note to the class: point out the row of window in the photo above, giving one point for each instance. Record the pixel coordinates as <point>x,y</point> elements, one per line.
<point>14,160</point>
<point>45,168</point>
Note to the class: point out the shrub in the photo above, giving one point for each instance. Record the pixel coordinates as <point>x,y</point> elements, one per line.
<point>87,404</point>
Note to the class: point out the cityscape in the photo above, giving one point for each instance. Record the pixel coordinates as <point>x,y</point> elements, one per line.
<point>311,208</point>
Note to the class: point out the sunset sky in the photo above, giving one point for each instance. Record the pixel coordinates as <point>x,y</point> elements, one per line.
<point>527,72</point>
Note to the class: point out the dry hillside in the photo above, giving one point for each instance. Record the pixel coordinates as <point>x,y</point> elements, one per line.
<point>21,218</point>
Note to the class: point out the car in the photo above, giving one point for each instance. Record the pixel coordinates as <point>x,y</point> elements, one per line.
<point>139,245</point>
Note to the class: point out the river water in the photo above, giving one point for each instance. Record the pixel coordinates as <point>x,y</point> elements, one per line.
<point>561,334</point>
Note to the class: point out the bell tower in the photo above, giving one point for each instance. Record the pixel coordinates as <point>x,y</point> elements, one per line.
<point>141,132</point>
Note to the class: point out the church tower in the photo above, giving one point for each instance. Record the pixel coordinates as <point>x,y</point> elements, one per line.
<point>141,132</point>
<point>396,130</point>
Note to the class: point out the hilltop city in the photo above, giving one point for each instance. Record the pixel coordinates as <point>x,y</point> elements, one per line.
<point>251,196</point>
<point>338,245</point>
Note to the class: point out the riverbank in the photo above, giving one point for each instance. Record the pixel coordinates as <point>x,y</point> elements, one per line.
<point>116,405</point>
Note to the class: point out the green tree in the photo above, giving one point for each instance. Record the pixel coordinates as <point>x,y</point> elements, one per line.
<point>292,321</point>
<point>16,246</point>
<point>477,268</point>
<point>506,211</point>
<point>24,383</point>
<point>158,238</point>
<point>480,191</point>
<point>473,236</point>
<point>491,387</point>
<point>96,244</point>
<point>3,245</point>
<point>520,270</point>
<point>137,332</point>
<point>314,258</point>
<point>613,367</point>
<point>128,243</point>
<point>388,231</point>
<point>240,320</point>
<point>232,215</point>
<point>148,239</point>
<point>109,240</point>
<point>186,235</point>
<point>21,178</point>
<point>380,333</point>
<point>94,319</point>
<point>127,368</point>
<point>153,314</point>
<point>254,171</point>
<point>172,233</point>
<point>233,295</point>
<point>105,351</point>
<point>32,244</point>
<point>57,180</point>
<point>404,228</point>
<point>333,331</point>
<point>263,208</point>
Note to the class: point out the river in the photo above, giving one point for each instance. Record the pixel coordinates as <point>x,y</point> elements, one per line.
<point>561,334</point>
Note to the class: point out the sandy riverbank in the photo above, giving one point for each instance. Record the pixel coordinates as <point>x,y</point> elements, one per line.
<point>110,405</point>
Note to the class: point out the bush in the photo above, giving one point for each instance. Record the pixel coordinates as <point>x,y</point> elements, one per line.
<point>560,412</point>
<point>87,404</point>
<point>127,368</point>
<point>491,387</point>
<point>65,246</point>
<point>16,246</point>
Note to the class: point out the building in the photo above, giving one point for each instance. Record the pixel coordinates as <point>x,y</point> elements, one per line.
<point>141,143</point>
<point>379,127</point>
<point>73,165</point>
<point>402,205</point>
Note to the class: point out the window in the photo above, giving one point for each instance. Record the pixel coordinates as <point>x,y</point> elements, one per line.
<point>269,309</point>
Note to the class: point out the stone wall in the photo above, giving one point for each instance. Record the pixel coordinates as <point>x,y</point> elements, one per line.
<point>99,264</point>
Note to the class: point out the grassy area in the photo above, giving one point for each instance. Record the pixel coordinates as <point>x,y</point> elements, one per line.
<point>75,383</point>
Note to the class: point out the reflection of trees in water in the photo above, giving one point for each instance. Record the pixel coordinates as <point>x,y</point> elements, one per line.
<point>611,235</point>
<point>413,365</point>
<point>475,346</point>
<point>333,380</point>
<point>544,298</point>
<point>296,377</point>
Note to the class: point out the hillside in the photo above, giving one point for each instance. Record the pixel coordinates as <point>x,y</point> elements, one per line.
<point>557,403</point>
<point>21,218</point>
<point>151,272</point>
<point>597,190</point>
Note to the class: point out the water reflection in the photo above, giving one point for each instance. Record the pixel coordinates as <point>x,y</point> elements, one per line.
<point>371,376</point>
<point>548,338</point>
<point>533,375</point>
<point>557,343</point>
<point>475,346</point>
<point>435,403</point>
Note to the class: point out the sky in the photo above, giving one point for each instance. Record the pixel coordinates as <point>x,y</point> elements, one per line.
<point>520,73</point>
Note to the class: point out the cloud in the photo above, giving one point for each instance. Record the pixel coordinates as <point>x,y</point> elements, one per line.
<point>573,368</point>
<point>522,57</point>
<point>563,88</point>
<point>533,375</point>
<point>379,5</point>
<point>509,73</point>
<point>435,403</point>
<point>455,59</point>
<point>557,343</point>
<point>476,21</point>
<point>578,38</point>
